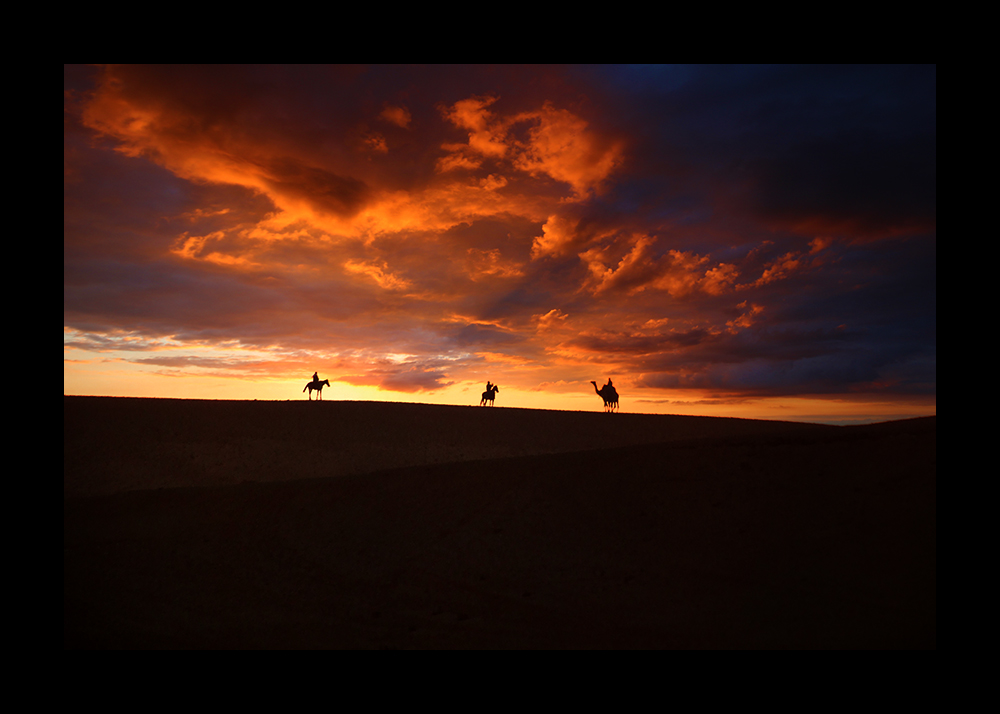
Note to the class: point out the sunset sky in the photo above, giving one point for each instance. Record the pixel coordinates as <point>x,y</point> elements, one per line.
<point>753,241</point>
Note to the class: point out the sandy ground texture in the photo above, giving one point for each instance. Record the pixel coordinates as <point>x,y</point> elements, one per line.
<point>204,524</point>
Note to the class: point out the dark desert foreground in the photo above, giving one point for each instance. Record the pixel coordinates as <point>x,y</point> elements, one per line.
<point>240,524</point>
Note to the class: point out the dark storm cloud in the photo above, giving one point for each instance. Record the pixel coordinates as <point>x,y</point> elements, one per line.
<point>845,147</point>
<point>642,345</point>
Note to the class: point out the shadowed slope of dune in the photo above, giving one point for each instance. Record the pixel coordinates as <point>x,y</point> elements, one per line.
<point>796,537</point>
<point>118,444</point>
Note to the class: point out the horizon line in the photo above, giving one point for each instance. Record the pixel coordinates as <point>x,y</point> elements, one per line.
<point>840,422</point>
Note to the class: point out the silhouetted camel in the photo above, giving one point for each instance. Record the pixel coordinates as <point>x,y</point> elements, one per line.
<point>318,386</point>
<point>489,394</point>
<point>609,394</point>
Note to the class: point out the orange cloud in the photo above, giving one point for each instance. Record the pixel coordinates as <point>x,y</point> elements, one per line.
<point>682,273</point>
<point>196,248</point>
<point>677,273</point>
<point>632,273</point>
<point>790,263</point>
<point>819,243</point>
<point>333,196</point>
<point>558,235</point>
<point>719,279</point>
<point>550,320</point>
<point>746,319</point>
<point>489,263</point>
<point>377,143</point>
<point>379,273</point>
<point>486,134</point>
<point>561,146</point>
<point>780,268</point>
<point>455,161</point>
<point>400,116</point>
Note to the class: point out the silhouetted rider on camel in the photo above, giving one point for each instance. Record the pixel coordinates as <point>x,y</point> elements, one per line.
<point>609,394</point>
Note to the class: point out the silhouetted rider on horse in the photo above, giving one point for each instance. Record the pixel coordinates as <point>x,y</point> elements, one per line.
<point>489,394</point>
<point>317,385</point>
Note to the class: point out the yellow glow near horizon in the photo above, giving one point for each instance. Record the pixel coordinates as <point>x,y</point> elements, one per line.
<point>121,379</point>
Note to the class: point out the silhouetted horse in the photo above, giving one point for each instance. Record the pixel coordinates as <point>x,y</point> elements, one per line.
<point>318,386</point>
<point>488,395</point>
